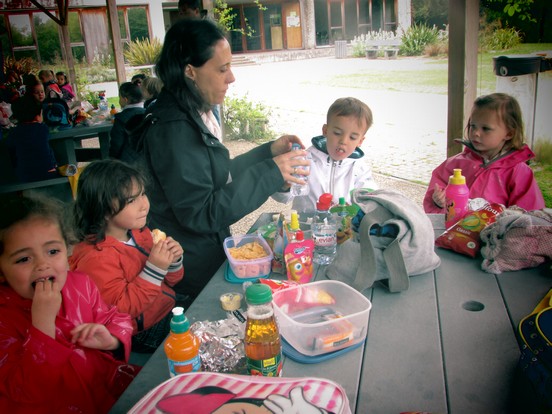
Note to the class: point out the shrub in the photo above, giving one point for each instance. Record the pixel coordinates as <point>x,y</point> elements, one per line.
<point>543,152</point>
<point>244,119</point>
<point>143,51</point>
<point>493,36</point>
<point>416,38</point>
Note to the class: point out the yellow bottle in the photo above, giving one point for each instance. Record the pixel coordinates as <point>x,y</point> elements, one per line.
<point>182,346</point>
<point>263,348</point>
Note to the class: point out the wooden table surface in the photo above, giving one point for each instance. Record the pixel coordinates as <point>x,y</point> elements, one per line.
<point>446,344</point>
<point>64,142</point>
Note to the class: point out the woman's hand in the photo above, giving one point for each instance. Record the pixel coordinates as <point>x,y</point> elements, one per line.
<point>289,165</point>
<point>284,143</point>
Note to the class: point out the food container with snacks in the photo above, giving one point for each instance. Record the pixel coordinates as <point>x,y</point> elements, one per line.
<point>321,317</point>
<point>249,256</point>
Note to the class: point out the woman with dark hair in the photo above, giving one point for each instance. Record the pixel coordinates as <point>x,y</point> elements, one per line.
<point>196,190</point>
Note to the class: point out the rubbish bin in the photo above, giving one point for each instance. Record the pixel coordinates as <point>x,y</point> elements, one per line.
<point>529,79</point>
<point>340,49</point>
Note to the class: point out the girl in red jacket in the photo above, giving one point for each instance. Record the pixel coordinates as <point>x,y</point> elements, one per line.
<point>63,350</point>
<point>117,250</point>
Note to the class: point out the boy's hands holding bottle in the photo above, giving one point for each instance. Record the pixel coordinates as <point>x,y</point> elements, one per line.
<point>165,252</point>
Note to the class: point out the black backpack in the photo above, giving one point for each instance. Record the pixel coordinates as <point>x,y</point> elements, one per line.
<point>55,113</point>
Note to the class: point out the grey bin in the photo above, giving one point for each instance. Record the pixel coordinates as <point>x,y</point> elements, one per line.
<point>529,79</point>
<point>340,49</point>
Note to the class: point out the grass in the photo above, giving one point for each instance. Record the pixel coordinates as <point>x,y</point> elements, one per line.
<point>431,80</point>
<point>543,175</point>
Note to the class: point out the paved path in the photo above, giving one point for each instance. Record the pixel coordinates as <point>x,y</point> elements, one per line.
<point>408,138</point>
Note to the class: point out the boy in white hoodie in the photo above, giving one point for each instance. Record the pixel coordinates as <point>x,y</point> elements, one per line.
<point>338,164</point>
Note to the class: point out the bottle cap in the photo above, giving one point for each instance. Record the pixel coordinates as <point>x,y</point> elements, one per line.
<point>294,225</point>
<point>457,178</point>
<point>341,201</point>
<point>257,294</point>
<point>299,236</point>
<point>179,322</point>
<point>295,147</point>
<point>324,202</point>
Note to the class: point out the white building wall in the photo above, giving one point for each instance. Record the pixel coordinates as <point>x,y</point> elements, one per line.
<point>404,19</point>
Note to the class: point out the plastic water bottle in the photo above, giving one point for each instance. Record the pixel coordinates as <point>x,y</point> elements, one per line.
<point>103,105</point>
<point>324,231</point>
<point>298,189</point>
<point>457,196</point>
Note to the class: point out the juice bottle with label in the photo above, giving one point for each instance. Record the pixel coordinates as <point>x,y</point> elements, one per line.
<point>182,346</point>
<point>263,347</point>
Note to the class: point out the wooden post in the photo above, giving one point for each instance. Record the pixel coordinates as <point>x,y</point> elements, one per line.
<point>116,36</point>
<point>68,52</point>
<point>462,68</point>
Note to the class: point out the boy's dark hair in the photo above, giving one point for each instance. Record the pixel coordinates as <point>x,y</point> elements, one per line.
<point>17,208</point>
<point>189,8</point>
<point>138,78</point>
<point>131,92</point>
<point>103,190</point>
<point>26,109</point>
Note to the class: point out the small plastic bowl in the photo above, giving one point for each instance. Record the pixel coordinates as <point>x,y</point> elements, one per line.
<point>245,269</point>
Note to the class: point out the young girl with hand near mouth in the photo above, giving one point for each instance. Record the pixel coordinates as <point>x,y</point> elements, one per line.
<point>63,348</point>
<point>494,159</point>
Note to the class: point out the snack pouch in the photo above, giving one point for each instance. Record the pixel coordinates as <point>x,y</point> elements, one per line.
<point>464,236</point>
<point>298,259</point>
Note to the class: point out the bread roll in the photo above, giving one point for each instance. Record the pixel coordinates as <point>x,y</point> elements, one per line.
<point>158,235</point>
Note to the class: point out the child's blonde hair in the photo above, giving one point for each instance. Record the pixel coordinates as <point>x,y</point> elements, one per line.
<point>351,106</point>
<point>508,110</point>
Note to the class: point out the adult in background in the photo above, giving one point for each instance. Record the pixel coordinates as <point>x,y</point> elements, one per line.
<point>196,190</point>
<point>190,8</point>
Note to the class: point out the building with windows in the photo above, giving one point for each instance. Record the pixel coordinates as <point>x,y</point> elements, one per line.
<point>28,31</point>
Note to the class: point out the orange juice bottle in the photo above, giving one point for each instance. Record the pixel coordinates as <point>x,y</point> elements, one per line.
<point>182,346</point>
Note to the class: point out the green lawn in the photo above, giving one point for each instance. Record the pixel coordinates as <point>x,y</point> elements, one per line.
<point>434,78</point>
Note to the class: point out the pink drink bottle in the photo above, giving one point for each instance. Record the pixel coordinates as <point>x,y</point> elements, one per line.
<point>456,198</point>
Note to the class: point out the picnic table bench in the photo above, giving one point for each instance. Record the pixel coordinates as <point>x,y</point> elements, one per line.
<point>390,48</point>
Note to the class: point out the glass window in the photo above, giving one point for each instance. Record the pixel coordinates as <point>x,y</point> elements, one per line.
<point>48,38</point>
<point>138,23</point>
<point>74,28</point>
<point>20,27</point>
<point>122,25</point>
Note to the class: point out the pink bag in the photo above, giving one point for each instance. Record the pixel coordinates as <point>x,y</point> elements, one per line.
<point>205,392</point>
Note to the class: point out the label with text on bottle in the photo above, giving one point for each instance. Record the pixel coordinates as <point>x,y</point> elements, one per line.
<point>270,367</point>
<point>181,367</point>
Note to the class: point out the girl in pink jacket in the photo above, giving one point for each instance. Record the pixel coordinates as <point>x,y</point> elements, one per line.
<point>63,350</point>
<point>494,160</point>
<point>117,250</point>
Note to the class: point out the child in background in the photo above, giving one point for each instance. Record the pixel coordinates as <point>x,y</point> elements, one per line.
<point>117,250</point>
<point>65,86</point>
<point>151,88</point>
<point>338,164</point>
<point>51,88</point>
<point>28,143</point>
<point>35,89</point>
<point>63,349</point>
<point>132,104</point>
<point>494,159</point>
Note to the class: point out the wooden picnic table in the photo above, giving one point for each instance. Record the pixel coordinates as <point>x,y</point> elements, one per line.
<point>447,344</point>
<point>67,142</point>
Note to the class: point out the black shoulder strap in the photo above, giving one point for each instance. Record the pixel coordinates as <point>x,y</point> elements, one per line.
<point>137,127</point>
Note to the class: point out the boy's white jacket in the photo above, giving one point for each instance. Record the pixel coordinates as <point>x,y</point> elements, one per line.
<point>328,176</point>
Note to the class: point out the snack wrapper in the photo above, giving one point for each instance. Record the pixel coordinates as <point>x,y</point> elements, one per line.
<point>464,236</point>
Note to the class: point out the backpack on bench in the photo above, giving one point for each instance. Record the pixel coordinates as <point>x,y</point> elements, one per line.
<point>55,113</point>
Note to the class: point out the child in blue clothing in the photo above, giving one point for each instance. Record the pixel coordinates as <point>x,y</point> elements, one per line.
<point>338,164</point>
<point>30,151</point>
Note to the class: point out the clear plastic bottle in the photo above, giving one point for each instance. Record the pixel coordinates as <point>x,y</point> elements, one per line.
<point>298,189</point>
<point>457,196</point>
<point>103,106</point>
<point>263,347</point>
<point>182,346</point>
<point>324,231</point>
